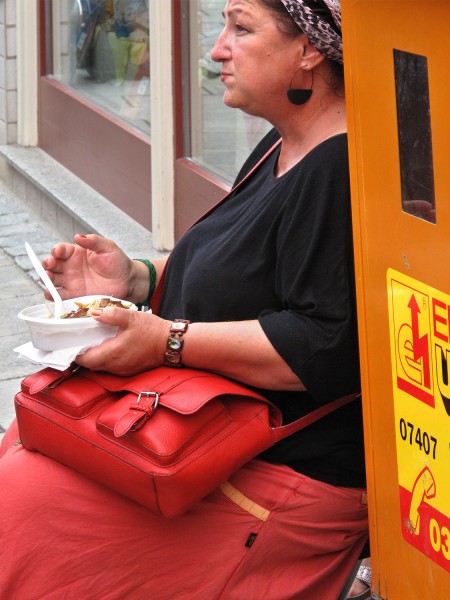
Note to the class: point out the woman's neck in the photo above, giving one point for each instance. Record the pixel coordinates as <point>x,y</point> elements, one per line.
<point>300,133</point>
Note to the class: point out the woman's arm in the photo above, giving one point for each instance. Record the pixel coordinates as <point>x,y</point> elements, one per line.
<point>238,349</point>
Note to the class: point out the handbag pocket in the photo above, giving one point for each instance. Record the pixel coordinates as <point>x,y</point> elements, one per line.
<point>67,393</point>
<point>164,436</point>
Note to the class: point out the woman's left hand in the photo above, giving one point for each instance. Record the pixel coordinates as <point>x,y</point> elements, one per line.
<point>139,344</point>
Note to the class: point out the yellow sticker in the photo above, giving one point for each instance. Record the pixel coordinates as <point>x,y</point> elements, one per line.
<point>419,321</point>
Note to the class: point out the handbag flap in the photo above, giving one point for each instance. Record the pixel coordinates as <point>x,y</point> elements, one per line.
<point>77,391</point>
<point>185,390</point>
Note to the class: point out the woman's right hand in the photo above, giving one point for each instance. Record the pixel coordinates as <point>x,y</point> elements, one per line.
<point>93,265</point>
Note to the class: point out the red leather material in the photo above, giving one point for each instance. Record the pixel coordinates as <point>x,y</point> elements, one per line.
<point>135,418</point>
<point>166,457</point>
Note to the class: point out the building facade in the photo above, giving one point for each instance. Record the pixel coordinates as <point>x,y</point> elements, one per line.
<point>124,94</point>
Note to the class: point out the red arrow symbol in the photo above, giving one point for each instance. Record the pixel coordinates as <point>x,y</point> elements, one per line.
<point>420,344</point>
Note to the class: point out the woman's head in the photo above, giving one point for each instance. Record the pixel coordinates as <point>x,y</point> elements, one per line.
<point>261,49</point>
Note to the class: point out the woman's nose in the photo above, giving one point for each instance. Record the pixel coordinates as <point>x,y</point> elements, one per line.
<point>220,52</point>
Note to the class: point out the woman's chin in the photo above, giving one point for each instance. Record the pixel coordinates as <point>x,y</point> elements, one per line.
<point>230,99</point>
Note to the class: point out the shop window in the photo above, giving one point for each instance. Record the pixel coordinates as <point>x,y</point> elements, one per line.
<point>414,135</point>
<point>219,138</point>
<point>101,50</point>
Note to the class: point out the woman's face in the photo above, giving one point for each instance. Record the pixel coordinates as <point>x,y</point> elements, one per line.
<point>258,60</point>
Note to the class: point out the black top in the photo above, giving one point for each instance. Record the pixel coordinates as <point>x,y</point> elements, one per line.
<point>280,250</point>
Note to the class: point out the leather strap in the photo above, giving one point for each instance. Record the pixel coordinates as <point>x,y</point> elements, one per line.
<point>236,496</point>
<point>286,430</point>
<point>48,378</point>
<point>138,414</point>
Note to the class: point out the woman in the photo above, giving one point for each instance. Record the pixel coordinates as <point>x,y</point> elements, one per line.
<point>266,282</point>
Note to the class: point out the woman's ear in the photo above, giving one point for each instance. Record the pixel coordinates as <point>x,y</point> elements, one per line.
<point>310,57</point>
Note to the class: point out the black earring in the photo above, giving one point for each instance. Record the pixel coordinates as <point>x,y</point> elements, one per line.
<point>299,96</point>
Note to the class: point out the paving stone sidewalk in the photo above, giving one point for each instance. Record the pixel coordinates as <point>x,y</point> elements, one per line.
<point>20,288</point>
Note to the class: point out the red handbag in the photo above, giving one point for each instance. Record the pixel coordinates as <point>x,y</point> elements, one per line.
<point>165,438</point>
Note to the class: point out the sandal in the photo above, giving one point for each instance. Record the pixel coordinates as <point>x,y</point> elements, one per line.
<point>364,574</point>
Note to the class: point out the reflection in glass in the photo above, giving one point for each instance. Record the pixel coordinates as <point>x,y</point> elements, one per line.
<point>414,134</point>
<point>220,137</point>
<point>101,50</point>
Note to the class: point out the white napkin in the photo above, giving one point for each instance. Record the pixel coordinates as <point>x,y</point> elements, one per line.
<point>58,359</point>
<point>62,358</point>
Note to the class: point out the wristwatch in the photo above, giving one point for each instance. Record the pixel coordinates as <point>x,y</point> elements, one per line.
<point>172,355</point>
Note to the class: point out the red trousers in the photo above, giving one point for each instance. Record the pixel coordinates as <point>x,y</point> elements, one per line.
<point>268,534</point>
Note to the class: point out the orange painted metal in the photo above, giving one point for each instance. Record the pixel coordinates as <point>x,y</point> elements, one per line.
<point>387,238</point>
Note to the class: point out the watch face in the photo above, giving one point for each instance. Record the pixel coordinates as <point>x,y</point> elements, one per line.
<point>179,326</point>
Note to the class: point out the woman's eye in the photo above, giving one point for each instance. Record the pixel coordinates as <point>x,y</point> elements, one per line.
<point>241,29</point>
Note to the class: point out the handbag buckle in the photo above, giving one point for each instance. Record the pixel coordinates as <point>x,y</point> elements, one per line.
<point>155,395</point>
<point>138,414</point>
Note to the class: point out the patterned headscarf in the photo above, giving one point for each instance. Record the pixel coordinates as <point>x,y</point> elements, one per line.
<point>320,21</point>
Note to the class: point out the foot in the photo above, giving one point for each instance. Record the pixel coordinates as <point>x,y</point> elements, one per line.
<point>360,589</point>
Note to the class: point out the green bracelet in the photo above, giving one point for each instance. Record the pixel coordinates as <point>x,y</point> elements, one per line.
<point>152,282</point>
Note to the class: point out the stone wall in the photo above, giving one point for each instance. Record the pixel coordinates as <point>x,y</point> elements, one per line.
<point>8,73</point>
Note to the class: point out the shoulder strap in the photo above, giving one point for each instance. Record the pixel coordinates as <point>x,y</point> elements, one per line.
<point>157,294</point>
<point>286,430</point>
